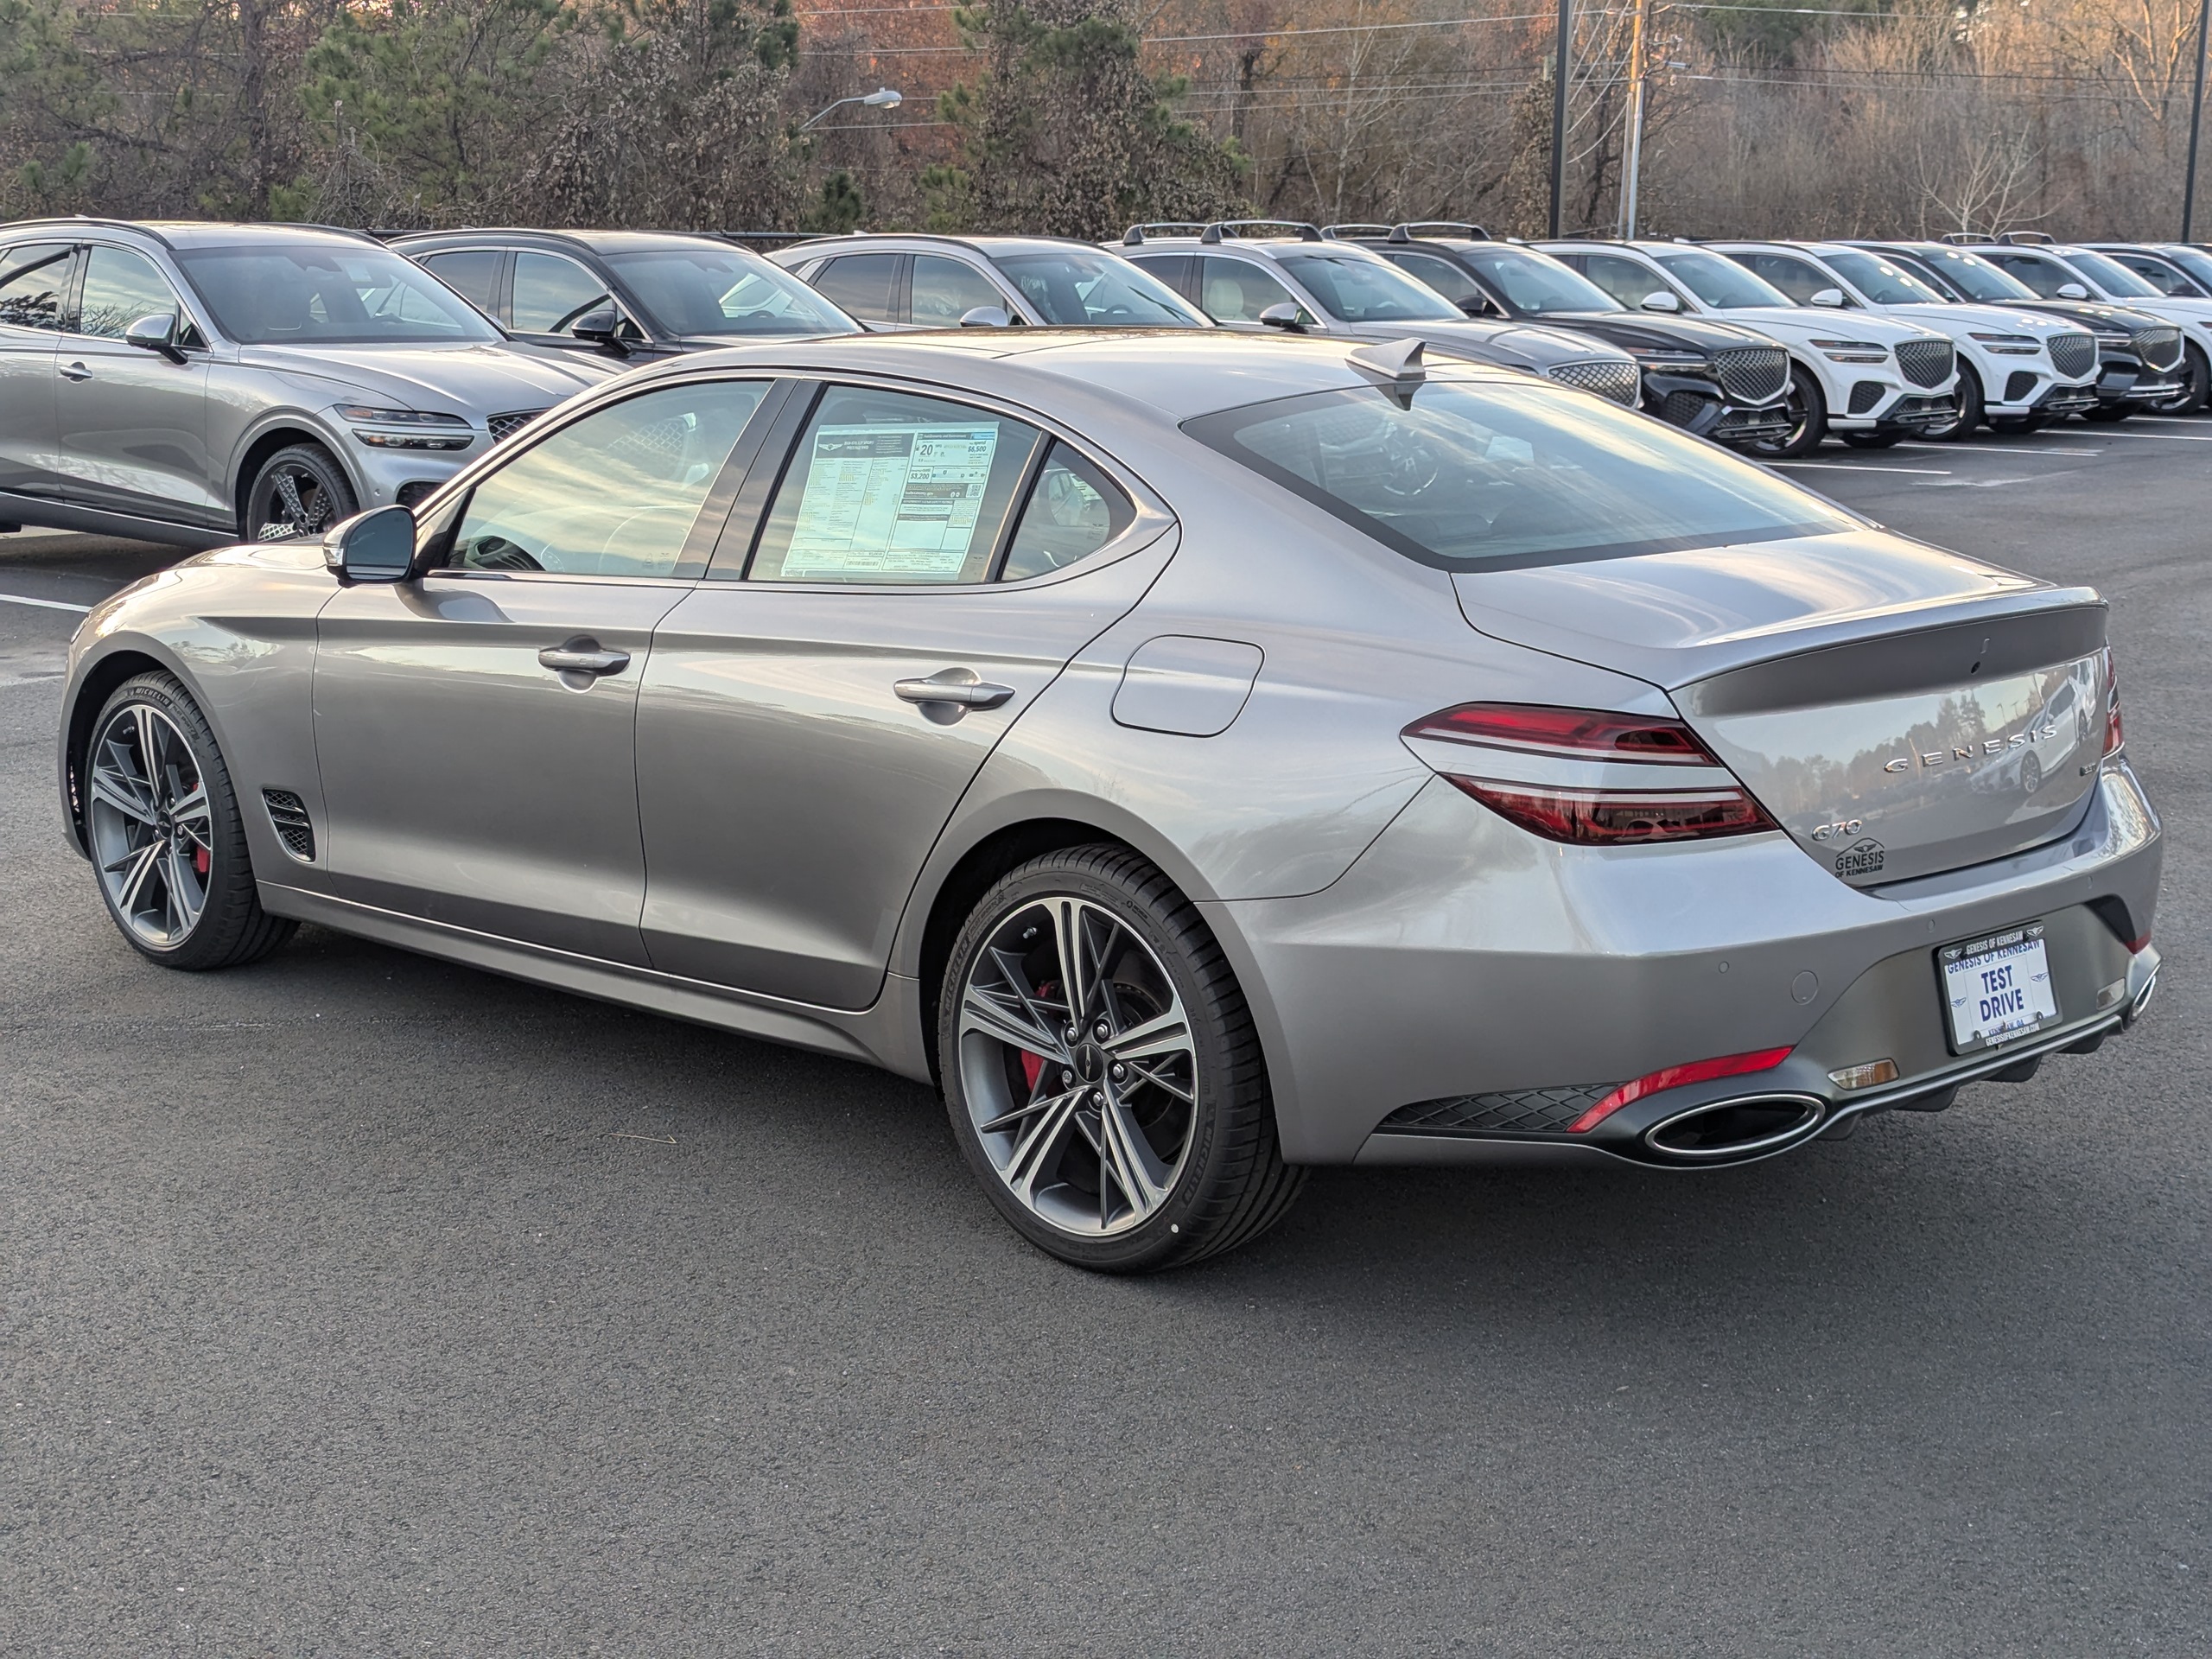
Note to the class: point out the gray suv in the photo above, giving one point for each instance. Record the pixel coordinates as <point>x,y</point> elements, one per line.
<point>194,384</point>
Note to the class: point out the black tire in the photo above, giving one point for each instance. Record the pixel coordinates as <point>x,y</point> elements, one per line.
<point>1229,1183</point>
<point>1967,421</point>
<point>1808,410</point>
<point>300,491</point>
<point>2199,374</point>
<point>1873,440</point>
<point>230,927</point>
<point>2108,414</point>
<point>2015,423</point>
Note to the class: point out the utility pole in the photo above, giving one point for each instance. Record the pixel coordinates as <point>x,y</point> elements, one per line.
<point>1632,161</point>
<point>2195,122</point>
<point>1559,109</point>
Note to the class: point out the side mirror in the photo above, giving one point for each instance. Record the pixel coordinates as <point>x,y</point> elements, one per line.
<point>1828,298</point>
<point>374,546</point>
<point>155,333</point>
<point>986,316</point>
<point>603,328</point>
<point>1478,305</point>
<point>1283,313</point>
<point>1662,301</point>
<point>2072,291</point>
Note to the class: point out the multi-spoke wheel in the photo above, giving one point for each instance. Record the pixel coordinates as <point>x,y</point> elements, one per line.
<point>300,491</point>
<point>1102,1071</point>
<point>162,823</point>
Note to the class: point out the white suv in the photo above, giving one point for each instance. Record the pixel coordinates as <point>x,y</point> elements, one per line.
<point>1871,380</point>
<point>2054,271</point>
<point>2012,362</point>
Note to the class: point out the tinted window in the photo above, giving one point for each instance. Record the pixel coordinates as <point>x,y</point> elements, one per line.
<point>1976,277</point>
<point>1441,273</point>
<point>1881,281</point>
<point>946,290</point>
<point>2111,276</point>
<point>473,275</point>
<point>334,295</point>
<point>552,295</point>
<point>2197,263</point>
<point>1367,291</point>
<point>34,281</point>
<point>1230,290</point>
<point>1469,474</point>
<point>1721,283</point>
<point>885,488</point>
<point>1073,510</point>
<point>859,284</point>
<point>2045,277</point>
<point>1098,290</point>
<point>2160,276</point>
<point>613,495</point>
<point>724,293</point>
<point>1629,281</point>
<point>1799,280</point>
<point>1537,283</point>
<point>121,286</point>
<point>1171,270</point>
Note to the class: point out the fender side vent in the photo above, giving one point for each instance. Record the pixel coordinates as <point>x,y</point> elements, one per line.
<point>288,813</point>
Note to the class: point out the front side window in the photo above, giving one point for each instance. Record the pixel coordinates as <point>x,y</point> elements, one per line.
<point>1073,510</point>
<point>1441,273</point>
<point>1232,290</point>
<point>1539,284</point>
<point>1626,280</point>
<point>616,494</point>
<point>886,488</point>
<point>2045,277</point>
<point>1467,475</point>
<point>33,283</point>
<point>121,286</point>
<point>1799,280</point>
<point>1077,289</point>
<point>335,293</point>
<point>1367,291</point>
<point>725,294</point>
<point>1882,282</point>
<point>946,290</point>
<point>859,284</point>
<point>552,295</point>
<point>1976,278</point>
<point>1721,283</point>
<point>472,273</point>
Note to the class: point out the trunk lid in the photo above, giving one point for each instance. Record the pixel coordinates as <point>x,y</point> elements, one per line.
<point>1899,710</point>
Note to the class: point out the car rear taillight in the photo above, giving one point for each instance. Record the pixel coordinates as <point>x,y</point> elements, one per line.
<point>1629,797</point>
<point>2115,733</point>
<point>1673,1076</point>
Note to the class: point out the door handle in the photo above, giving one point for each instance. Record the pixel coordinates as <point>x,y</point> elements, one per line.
<point>970,692</point>
<point>583,655</point>
<point>76,372</point>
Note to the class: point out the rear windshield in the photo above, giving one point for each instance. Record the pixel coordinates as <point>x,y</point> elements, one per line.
<point>1479,474</point>
<point>718,291</point>
<point>330,295</point>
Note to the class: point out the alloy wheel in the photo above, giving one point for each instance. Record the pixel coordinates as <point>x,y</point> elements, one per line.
<point>298,504</point>
<point>1077,1066</point>
<point>151,826</point>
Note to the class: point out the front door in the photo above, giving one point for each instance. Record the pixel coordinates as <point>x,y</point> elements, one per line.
<point>926,569</point>
<point>133,423</point>
<point>35,281</point>
<point>476,727</point>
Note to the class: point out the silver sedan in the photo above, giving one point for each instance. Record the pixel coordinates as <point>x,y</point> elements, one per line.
<point>1202,757</point>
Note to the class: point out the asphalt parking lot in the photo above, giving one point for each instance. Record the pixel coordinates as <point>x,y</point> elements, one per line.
<point>356,1304</point>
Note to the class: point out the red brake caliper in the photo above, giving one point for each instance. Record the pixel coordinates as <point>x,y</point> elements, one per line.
<point>200,860</point>
<point>1033,1065</point>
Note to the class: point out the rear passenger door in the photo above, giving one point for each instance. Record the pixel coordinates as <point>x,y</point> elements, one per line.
<point>793,767</point>
<point>36,279</point>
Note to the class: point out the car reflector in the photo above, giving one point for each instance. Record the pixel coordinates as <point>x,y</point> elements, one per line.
<point>1614,818</point>
<point>1867,1076</point>
<point>1673,1076</point>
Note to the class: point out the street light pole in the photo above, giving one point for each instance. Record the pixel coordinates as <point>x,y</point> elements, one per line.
<point>1559,109</point>
<point>2195,122</point>
<point>882,98</point>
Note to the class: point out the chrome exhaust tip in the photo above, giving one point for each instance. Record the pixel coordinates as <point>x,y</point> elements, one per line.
<point>2142,984</point>
<point>1729,1131</point>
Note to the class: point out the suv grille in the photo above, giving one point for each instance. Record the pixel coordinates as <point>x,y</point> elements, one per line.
<point>1618,381</point>
<point>1520,1111</point>
<point>1753,374</point>
<point>1925,362</point>
<point>505,426</point>
<point>288,813</point>
<point>2159,347</point>
<point>2073,355</point>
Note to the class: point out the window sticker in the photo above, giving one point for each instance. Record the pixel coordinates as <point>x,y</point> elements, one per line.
<point>890,500</point>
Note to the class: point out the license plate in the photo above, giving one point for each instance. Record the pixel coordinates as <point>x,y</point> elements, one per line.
<point>1997,988</point>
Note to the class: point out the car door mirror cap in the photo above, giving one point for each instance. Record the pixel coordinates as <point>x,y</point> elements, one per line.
<point>1662,300</point>
<point>1828,299</point>
<point>602,328</point>
<point>2072,291</point>
<point>987,316</point>
<point>1476,305</point>
<point>155,333</point>
<point>378,545</point>
<point>1283,313</point>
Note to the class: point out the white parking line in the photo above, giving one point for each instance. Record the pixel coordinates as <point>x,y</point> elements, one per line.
<point>2165,438</point>
<point>1861,466</point>
<point>43,604</point>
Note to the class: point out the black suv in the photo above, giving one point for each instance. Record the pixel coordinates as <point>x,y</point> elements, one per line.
<point>638,294</point>
<point>1717,379</point>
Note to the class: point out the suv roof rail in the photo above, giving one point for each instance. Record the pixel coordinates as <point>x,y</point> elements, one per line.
<point>1968,239</point>
<point>1219,229</point>
<point>2028,239</point>
<point>1137,235</point>
<point>1448,227</point>
<point>1344,232</point>
<point>91,219</point>
<point>741,238</point>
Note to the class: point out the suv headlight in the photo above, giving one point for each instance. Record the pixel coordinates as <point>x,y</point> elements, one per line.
<point>445,431</point>
<point>1854,350</point>
<point>2009,344</point>
<point>1676,362</point>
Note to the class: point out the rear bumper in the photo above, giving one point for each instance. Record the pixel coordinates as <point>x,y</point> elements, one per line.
<point>1466,990</point>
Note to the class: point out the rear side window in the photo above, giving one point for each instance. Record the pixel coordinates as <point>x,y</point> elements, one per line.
<point>859,284</point>
<point>473,274</point>
<point>33,281</point>
<point>1466,475</point>
<point>885,488</point>
<point>1073,510</point>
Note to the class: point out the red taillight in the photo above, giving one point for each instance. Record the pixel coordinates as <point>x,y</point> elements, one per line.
<point>1613,817</point>
<point>2115,735</point>
<point>1584,734</point>
<point>1672,1077</point>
